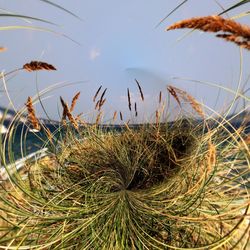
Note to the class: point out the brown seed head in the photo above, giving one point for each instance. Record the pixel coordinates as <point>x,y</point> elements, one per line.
<point>96,94</point>
<point>97,104</point>
<point>36,65</point>
<point>101,104</point>
<point>67,113</point>
<point>121,117</point>
<point>32,115</point>
<point>213,24</point>
<point>176,92</point>
<point>98,118</point>
<point>136,113</point>
<point>115,116</point>
<point>232,31</point>
<point>2,49</point>
<point>139,87</point>
<point>103,93</point>
<point>74,100</point>
<point>160,97</point>
<point>129,100</point>
<point>173,93</point>
<point>239,40</point>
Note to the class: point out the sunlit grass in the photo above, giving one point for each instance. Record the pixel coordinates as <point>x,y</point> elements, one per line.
<point>181,184</point>
<point>168,185</point>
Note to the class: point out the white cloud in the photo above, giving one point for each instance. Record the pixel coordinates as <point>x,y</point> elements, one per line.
<point>94,53</point>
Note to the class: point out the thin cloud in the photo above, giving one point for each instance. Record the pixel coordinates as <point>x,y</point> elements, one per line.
<point>94,53</point>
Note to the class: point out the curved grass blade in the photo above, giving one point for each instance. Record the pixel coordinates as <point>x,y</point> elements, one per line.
<point>28,17</point>
<point>176,8</point>
<point>61,8</point>
<point>20,27</point>
<point>235,6</point>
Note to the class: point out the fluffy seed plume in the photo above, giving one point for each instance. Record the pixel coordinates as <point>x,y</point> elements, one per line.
<point>139,87</point>
<point>67,113</point>
<point>32,115</point>
<point>173,93</point>
<point>36,65</point>
<point>74,100</point>
<point>232,31</point>
<point>129,99</point>
<point>96,94</point>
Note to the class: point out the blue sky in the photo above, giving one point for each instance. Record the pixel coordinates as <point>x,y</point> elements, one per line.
<point>119,42</point>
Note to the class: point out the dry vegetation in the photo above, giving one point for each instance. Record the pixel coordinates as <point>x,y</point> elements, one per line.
<point>163,185</point>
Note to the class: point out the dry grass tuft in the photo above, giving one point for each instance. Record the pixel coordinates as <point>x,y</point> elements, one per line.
<point>36,65</point>
<point>32,115</point>
<point>232,31</point>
